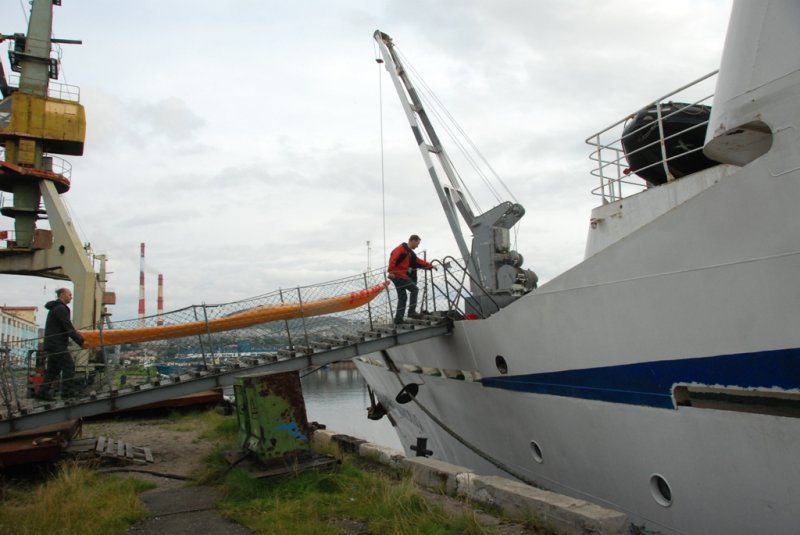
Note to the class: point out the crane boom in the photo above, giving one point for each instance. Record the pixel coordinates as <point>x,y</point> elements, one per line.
<point>493,267</point>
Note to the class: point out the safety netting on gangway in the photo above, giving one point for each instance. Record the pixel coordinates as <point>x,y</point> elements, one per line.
<point>306,315</point>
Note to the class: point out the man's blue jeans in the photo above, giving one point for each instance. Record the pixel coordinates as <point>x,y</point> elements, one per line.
<point>405,287</point>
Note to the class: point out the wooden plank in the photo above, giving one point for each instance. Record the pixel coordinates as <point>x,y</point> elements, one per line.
<point>82,445</point>
<point>120,448</point>
<point>148,455</point>
<point>101,443</point>
<point>128,451</point>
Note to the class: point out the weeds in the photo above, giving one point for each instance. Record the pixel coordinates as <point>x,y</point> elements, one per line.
<point>316,502</point>
<point>313,502</point>
<point>77,500</point>
<point>211,424</point>
<point>371,497</point>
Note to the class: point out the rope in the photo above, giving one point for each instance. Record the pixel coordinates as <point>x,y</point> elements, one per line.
<point>383,174</point>
<point>433,105</point>
<point>24,11</point>
<point>477,451</point>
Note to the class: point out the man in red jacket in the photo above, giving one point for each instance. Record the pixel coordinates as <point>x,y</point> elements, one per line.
<point>403,265</point>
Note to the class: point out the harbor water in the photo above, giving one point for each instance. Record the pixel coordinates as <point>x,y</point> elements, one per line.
<point>338,398</point>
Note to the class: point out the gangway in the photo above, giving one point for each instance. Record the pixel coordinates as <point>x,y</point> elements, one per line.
<point>321,352</point>
<point>297,344</point>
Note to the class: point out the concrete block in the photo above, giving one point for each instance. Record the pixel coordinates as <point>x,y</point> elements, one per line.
<point>382,454</point>
<point>348,444</point>
<point>434,474</point>
<point>345,443</point>
<point>323,437</point>
<point>564,514</point>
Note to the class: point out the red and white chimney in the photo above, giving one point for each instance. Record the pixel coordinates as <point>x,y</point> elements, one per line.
<point>141,285</point>
<point>160,299</point>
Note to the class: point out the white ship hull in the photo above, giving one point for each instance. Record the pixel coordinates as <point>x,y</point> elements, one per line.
<point>703,298</point>
<point>661,375</point>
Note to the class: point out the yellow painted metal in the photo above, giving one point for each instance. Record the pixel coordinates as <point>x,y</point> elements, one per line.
<point>34,124</point>
<point>26,155</point>
<point>59,124</point>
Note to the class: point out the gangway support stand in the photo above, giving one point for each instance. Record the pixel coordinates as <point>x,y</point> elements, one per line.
<point>274,434</point>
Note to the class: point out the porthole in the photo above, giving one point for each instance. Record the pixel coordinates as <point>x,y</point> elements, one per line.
<point>536,450</point>
<point>661,491</point>
<point>500,362</point>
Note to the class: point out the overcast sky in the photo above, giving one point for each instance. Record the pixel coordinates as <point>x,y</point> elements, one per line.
<point>241,140</point>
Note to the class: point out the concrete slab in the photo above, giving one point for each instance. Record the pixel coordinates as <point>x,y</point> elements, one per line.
<point>382,454</point>
<point>185,511</point>
<point>515,499</point>
<point>570,516</point>
<point>434,474</point>
<point>189,524</point>
<point>324,437</point>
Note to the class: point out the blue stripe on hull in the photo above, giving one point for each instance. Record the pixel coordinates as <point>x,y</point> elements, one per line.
<point>650,383</point>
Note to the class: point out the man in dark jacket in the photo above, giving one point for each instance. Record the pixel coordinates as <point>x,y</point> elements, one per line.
<point>58,330</point>
<point>403,265</point>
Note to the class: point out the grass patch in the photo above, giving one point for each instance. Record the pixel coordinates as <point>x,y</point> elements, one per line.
<point>209,423</point>
<point>378,500</point>
<point>356,496</point>
<point>77,500</point>
<point>315,502</point>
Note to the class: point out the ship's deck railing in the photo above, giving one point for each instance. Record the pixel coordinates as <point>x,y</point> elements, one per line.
<point>54,89</point>
<point>59,165</point>
<point>53,163</point>
<point>9,235</point>
<point>611,167</point>
<point>441,292</point>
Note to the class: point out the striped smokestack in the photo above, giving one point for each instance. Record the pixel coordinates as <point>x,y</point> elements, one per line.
<point>160,299</point>
<point>141,285</point>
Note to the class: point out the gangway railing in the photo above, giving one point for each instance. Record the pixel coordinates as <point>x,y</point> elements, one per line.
<point>452,289</point>
<point>130,375</point>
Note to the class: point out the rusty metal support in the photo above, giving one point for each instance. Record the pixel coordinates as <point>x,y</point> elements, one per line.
<point>272,416</point>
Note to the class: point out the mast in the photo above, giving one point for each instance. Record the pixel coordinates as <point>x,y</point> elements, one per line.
<point>38,121</point>
<point>493,267</point>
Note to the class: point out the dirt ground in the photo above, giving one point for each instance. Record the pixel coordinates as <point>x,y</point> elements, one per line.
<point>177,450</point>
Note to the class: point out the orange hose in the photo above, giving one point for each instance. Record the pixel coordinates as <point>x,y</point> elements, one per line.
<point>238,320</point>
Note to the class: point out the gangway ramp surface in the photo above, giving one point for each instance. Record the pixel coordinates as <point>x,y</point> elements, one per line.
<point>318,352</point>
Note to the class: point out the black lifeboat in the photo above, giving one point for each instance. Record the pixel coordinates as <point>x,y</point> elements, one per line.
<point>684,128</point>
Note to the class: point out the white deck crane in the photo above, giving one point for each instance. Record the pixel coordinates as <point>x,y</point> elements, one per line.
<point>497,277</point>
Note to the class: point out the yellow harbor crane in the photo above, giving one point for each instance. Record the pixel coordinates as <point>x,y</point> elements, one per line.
<point>39,119</point>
